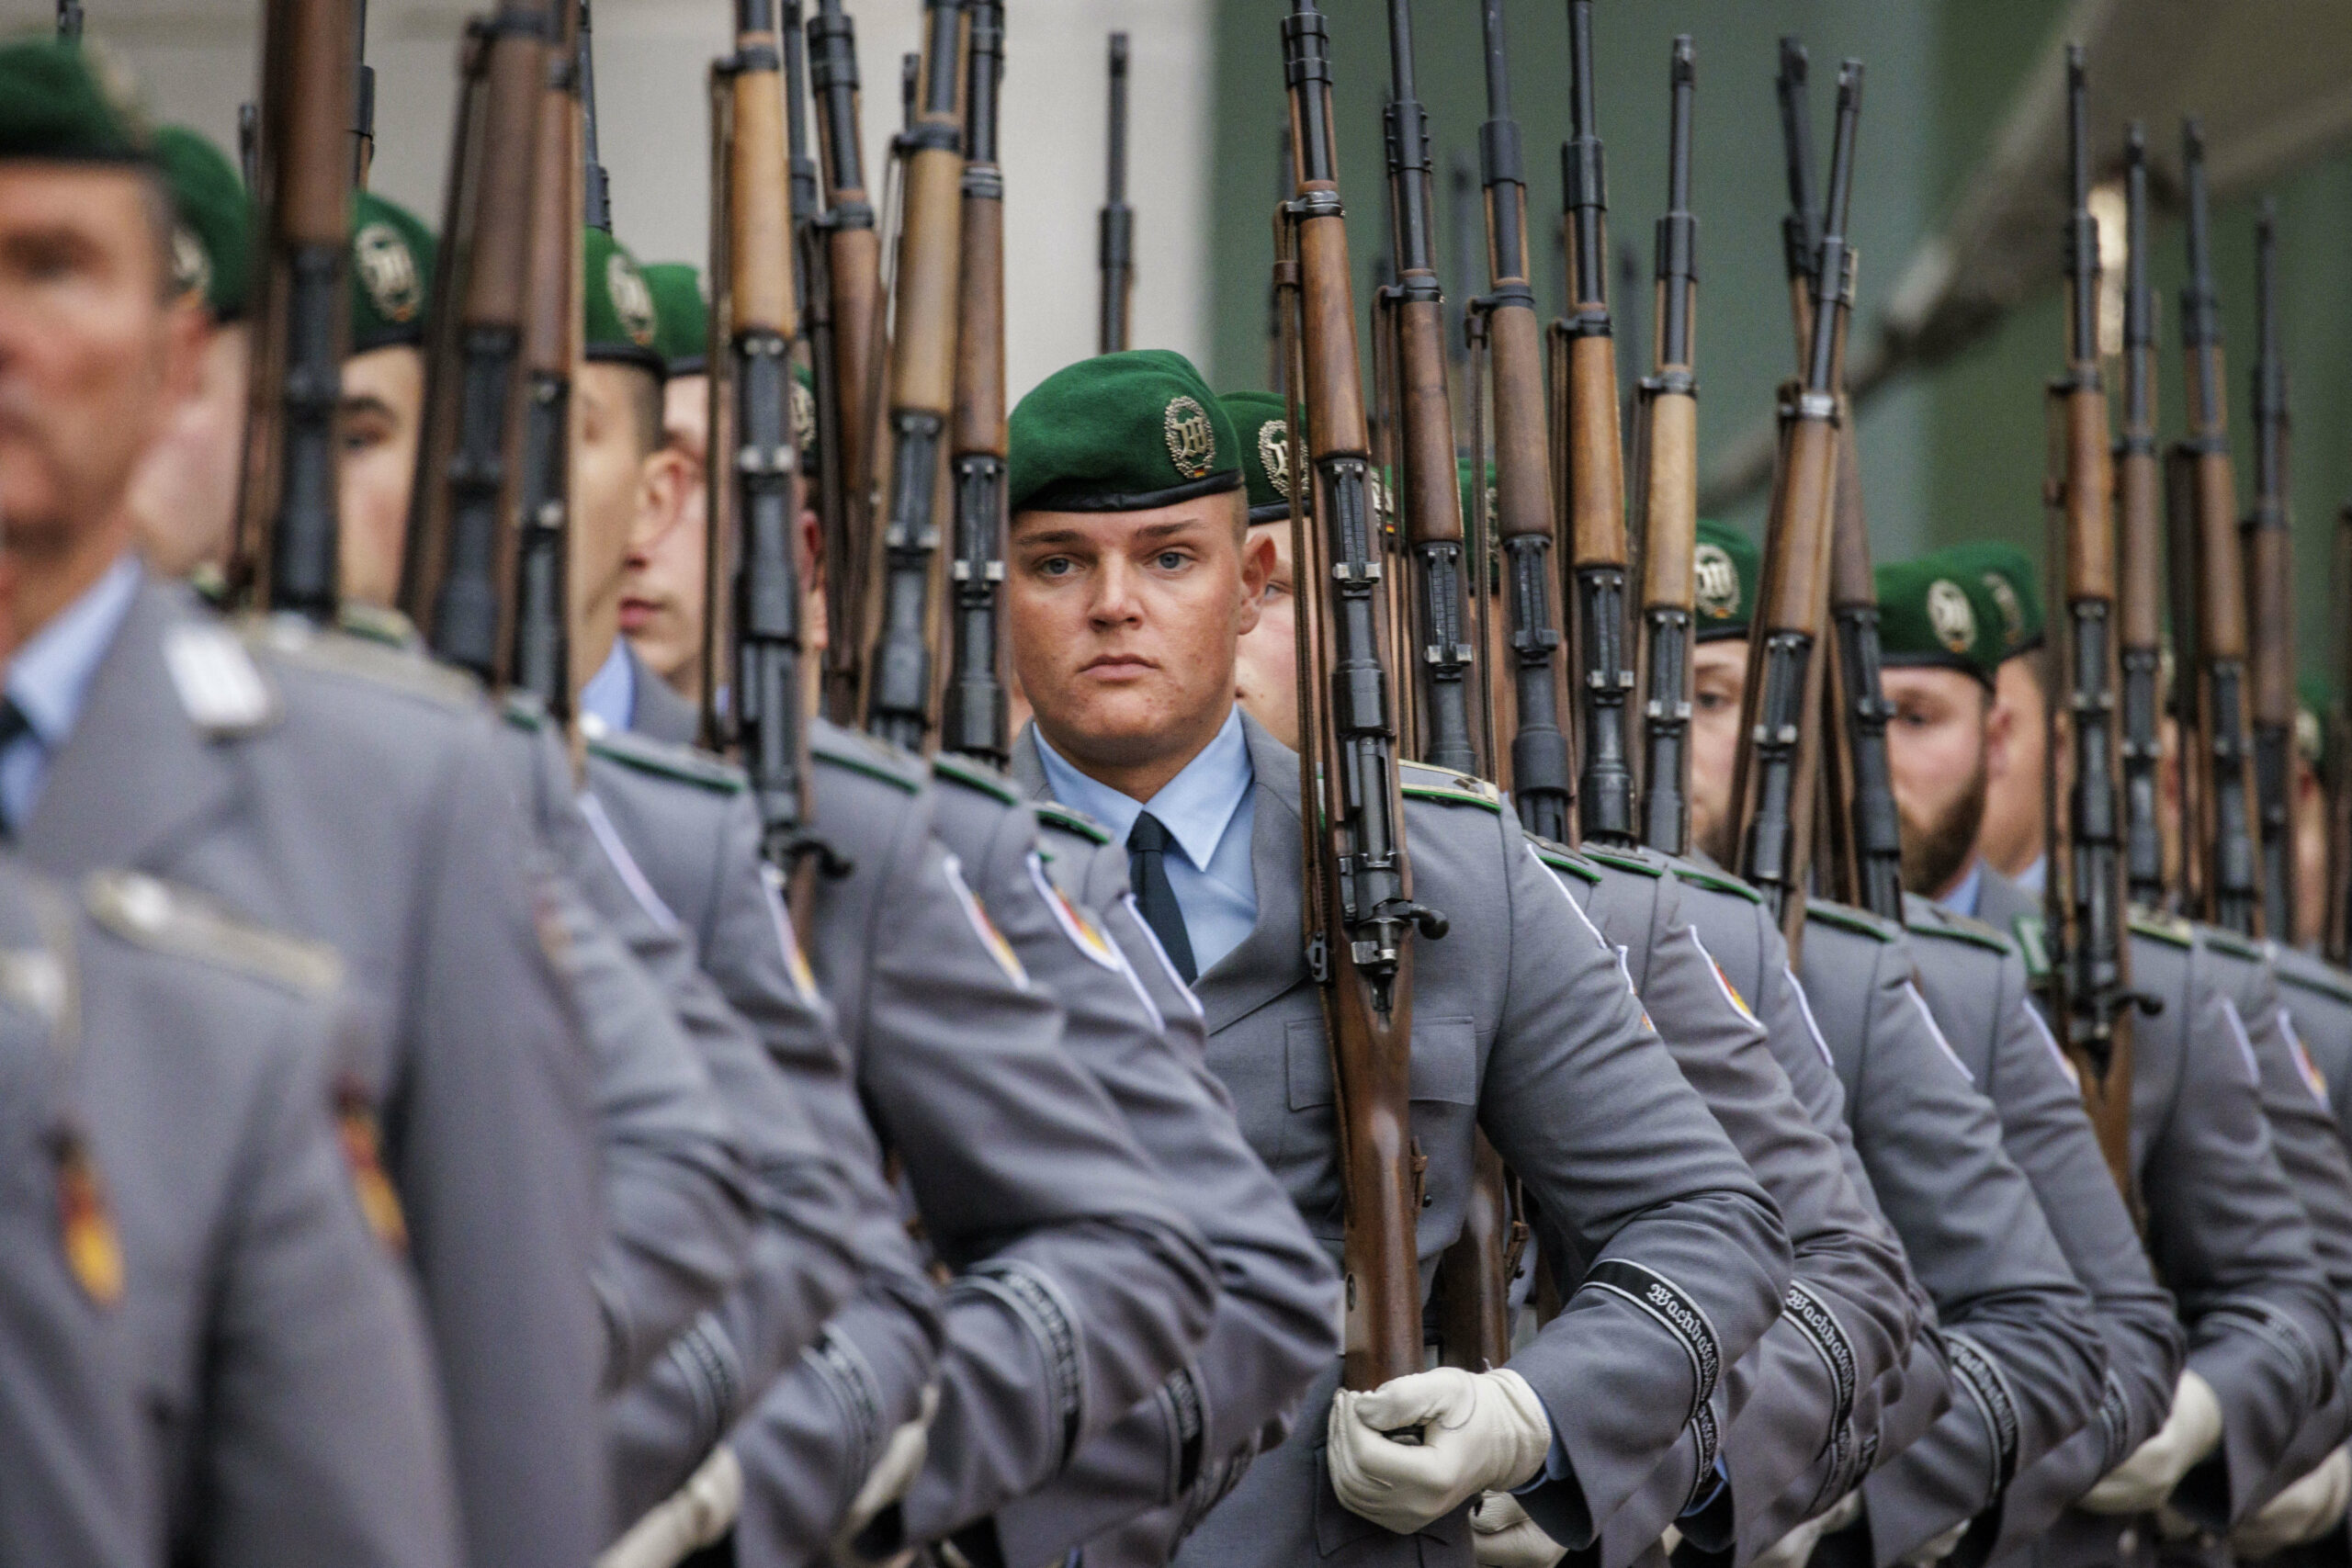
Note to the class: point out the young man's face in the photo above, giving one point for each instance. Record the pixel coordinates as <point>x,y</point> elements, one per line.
<point>1266,667</point>
<point>93,355</point>
<point>2017,749</point>
<point>1719,681</point>
<point>378,424</point>
<point>1935,748</point>
<point>184,496</point>
<point>661,591</point>
<point>627,480</point>
<point>1125,626</point>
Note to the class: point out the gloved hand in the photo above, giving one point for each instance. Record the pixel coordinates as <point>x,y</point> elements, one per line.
<point>2156,1467</point>
<point>1478,1430</point>
<point>1506,1538</point>
<point>685,1521</point>
<point>1795,1548</point>
<point>2303,1512</point>
<point>894,1470</point>
<point>1936,1547</point>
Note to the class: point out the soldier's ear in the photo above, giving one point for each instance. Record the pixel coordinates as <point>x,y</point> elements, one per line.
<point>664,482</point>
<point>1257,567</point>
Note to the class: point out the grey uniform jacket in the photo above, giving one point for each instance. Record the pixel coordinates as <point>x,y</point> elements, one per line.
<point>661,715</point>
<point>1278,1295</point>
<point>1790,1404</point>
<point>2023,1342</point>
<point>1976,984</point>
<point>683,824</point>
<point>290,1408</point>
<point>2319,996</point>
<point>346,794</point>
<point>1081,1287</point>
<point>1525,1028</point>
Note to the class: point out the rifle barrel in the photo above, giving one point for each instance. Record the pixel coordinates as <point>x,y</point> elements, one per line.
<point>2269,573</point>
<point>2142,583</point>
<point>595,187</point>
<point>1115,236</point>
<point>973,720</point>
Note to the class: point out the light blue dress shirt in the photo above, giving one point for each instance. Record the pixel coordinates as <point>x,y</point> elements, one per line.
<point>49,680</point>
<point>1965,899</point>
<point>611,693</point>
<point>1209,809</point>
<point>2033,878</point>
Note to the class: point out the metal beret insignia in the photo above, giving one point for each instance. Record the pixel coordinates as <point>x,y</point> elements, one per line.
<point>388,270</point>
<point>1192,439</point>
<point>1273,451</point>
<point>632,301</point>
<point>191,267</point>
<point>2005,599</point>
<point>1716,581</point>
<point>1950,615</point>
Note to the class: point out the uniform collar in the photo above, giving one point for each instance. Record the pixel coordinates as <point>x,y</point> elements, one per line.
<point>1965,899</point>
<point>611,693</point>
<point>49,679</point>
<point>1196,807</point>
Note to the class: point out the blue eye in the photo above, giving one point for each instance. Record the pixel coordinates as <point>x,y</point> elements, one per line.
<point>1170,560</point>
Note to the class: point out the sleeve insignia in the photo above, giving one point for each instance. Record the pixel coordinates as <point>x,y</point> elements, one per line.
<point>983,927</point>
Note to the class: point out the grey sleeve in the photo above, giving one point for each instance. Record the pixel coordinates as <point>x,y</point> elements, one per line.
<point>1278,1295</point>
<point>1681,1258</point>
<point>325,1440</point>
<point>2017,1327</point>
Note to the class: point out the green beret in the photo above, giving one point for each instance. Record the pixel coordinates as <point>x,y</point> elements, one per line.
<point>1121,432</point>
<point>1262,429</point>
<point>2008,575</point>
<point>1725,570</point>
<point>623,324</point>
<point>392,274</point>
<point>1933,611</point>
<point>683,332</point>
<point>61,102</point>
<point>212,245</point>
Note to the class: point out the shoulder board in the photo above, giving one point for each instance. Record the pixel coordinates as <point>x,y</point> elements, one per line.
<point>524,711</point>
<point>2165,928</point>
<point>1699,876</point>
<point>375,624</point>
<point>974,775</point>
<point>864,754</point>
<point>156,915</point>
<point>1422,781</point>
<point>218,681</point>
<point>2036,952</point>
<point>1621,862</point>
<point>2231,943</point>
<point>405,668</point>
<point>1846,918</point>
<point>660,758</point>
<point>1559,857</point>
<point>1069,819</point>
<point>2315,976</point>
<point>1941,922</point>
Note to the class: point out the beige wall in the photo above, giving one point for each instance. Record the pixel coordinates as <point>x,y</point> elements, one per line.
<point>196,57</point>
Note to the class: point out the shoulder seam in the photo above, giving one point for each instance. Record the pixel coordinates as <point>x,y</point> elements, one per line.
<point>1633,864</point>
<point>663,760</point>
<point>1859,922</point>
<point>1708,879</point>
<point>972,775</point>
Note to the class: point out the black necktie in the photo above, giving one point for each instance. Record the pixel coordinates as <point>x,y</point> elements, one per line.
<point>14,725</point>
<point>1148,844</point>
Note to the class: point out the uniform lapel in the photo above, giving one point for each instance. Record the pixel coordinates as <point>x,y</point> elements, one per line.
<point>660,712</point>
<point>136,775</point>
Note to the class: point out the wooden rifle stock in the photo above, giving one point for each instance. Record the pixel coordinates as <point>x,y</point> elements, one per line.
<point>973,714</point>
<point>1361,877</point>
<point>1115,237</point>
<point>2270,548</point>
<point>922,373</point>
<point>1592,444</point>
<point>363,100</point>
<point>2090,967</point>
<point>537,511</point>
<point>2138,502</point>
<point>1772,782</point>
<point>288,533</point>
<point>1666,494</point>
<point>2232,891</point>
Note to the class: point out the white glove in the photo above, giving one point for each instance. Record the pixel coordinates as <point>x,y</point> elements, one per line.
<point>1936,1547</point>
<point>894,1470</point>
<point>1795,1548</point>
<point>1478,1430</point>
<point>685,1521</point>
<point>2303,1512</point>
<point>2156,1467</point>
<point>1506,1538</point>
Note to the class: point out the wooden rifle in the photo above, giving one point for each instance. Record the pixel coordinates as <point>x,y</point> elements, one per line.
<point>1772,783</point>
<point>973,714</point>
<point>596,190</point>
<point>2090,960</point>
<point>922,385</point>
<point>286,535</point>
<point>1590,443</point>
<point>2139,615</point>
<point>363,101</point>
<point>2269,547</point>
<point>1359,911</point>
<point>1114,238</point>
<point>2215,774</point>
<point>1666,494</point>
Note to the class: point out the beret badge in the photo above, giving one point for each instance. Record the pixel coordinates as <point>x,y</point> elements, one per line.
<point>1273,451</point>
<point>1191,440</point>
<point>1950,614</point>
<point>632,301</point>
<point>1716,581</point>
<point>388,271</point>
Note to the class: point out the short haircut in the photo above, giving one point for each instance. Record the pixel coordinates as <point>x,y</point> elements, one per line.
<point>644,407</point>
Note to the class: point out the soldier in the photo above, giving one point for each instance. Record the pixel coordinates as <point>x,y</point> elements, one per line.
<point>184,499</point>
<point>2194,1139</point>
<point>1127,590</point>
<point>334,796</point>
<point>381,416</point>
<point>2018,733</point>
<point>1806,1390</point>
<point>662,599</point>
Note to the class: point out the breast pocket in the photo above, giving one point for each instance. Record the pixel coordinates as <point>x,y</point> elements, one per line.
<point>1444,1108</point>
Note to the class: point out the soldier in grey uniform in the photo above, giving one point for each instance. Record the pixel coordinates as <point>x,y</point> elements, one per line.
<point>1127,584</point>
<point>342,805</point>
